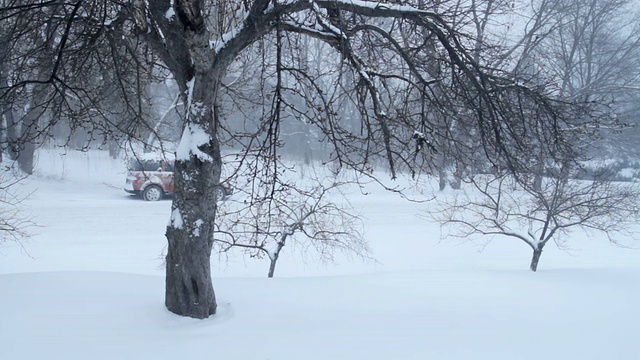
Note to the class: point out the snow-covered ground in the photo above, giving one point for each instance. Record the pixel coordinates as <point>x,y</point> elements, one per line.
<point>89,285</point>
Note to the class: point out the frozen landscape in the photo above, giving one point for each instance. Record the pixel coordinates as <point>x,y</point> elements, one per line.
<point>89,285</point>
<point>268,108</point>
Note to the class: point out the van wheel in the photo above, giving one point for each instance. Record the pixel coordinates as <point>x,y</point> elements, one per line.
<point>221,193</point>
<point>152,193</point>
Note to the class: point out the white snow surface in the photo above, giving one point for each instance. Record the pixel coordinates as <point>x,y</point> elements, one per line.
<point>89,285</point>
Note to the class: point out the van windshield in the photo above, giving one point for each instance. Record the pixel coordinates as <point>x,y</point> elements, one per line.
<point>147,165</point>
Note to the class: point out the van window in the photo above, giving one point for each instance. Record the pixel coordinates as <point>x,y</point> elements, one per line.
<point>144,165</point>
<point>135,165</point>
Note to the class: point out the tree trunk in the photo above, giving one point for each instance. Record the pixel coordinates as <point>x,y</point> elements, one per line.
<point>276,254</point>
<point>184,45</point>
<point>11,135</point>
<point>25,157</point>
<point>272,267</point>
<point>114,148</point>
<point>441,163</point>
<point>539,173</point>
<point>536,258</point>
<point>456,183</point>
<point>6,119</point>
<point>189,289</point>
<point>30,132</point>
<point>442,179</point>
<point>26,146</point>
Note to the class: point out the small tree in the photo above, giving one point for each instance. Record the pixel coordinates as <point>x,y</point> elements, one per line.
<point>284,212</point>
<point>499,205</point>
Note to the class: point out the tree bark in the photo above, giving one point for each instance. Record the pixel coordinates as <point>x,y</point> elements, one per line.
<point>272,267</point>
<point>276,254</point>
<point>25,157</point>
<point>189,289</point>
<point>30,132</point>
<point>539,173</point>
<point>456,183</point>
<point>442,179</point>
<point>537,252</point>
<point>6,119</point>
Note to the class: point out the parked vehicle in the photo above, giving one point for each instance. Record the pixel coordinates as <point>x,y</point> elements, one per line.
<point>151,176</point>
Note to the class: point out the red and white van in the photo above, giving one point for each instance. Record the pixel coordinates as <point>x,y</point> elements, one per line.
<point>151,176</point>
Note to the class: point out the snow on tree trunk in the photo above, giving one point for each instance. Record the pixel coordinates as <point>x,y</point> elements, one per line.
<point>275,255</point>
<point>189,289</point>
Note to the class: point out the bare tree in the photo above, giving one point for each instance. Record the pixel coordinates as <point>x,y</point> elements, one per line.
<point>546,201</point>
<point>305,215</point>
<point>499,206</point>
<point>67,68</point>
<point>592,53</point>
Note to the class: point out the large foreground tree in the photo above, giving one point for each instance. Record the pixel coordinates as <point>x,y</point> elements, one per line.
<point>396,66</point>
